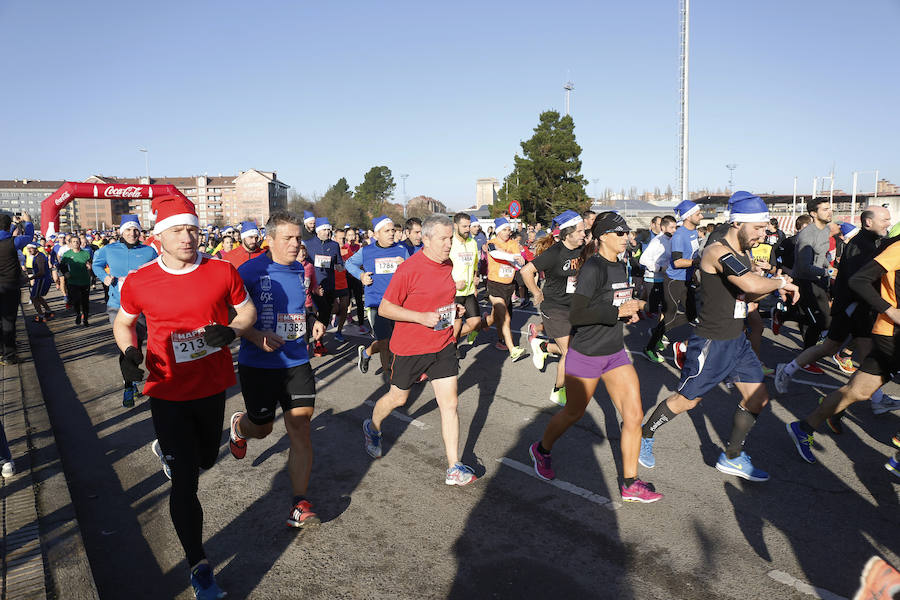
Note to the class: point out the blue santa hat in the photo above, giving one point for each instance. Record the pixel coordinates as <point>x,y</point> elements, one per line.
<point>570,218</point>
<point>129,221</point>
<point>474,220</point>
<point>749,209</point>
<point>322,223</point>
<point>848,230</point>
<point>381,222</point>
<point>308,216</point>
<point>685,209</point>
<point>501,223</point>
<point>347,226</point>
<point>249,228</point>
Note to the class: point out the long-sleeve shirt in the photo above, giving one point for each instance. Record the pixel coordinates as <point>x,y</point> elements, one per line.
<point>121,260</point>
<point>811,254</point>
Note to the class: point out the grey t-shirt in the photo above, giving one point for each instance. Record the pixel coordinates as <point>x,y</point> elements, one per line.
<point>811,257</point>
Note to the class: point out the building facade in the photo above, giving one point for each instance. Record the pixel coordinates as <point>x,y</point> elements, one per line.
<point>486,190</point>
<point>25,195</point>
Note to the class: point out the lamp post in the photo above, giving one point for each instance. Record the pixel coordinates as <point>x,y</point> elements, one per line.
<point>146,162</point>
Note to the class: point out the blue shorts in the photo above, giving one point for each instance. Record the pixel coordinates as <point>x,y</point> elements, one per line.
<point>709,362</point>
<point>40,287</point>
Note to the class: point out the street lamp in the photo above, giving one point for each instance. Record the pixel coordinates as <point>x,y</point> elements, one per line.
<point>146,162</point>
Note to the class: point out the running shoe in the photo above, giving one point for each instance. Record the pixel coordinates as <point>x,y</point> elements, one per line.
<point>767,372</point>
<point>339,337</point>
<point>741,467</point>
<point>526,304</point>
<point>460,474</point>
<point>137,391</point>
<point>835,425</point>
<point>470,338</point>
<point>812,369</point>
<point>78,319</point>
<point>320,349</point>
<point>50,316</point>
<point>532,332</point>
<point>204,583</point>
<point>38,319</point>
<point>516,352</point>
<point>302,515</point>
<point>802,440</point>
<point>501,347</point>
<point>653,356</point>
<point>373,439</point>
<point>679,350</point>
<point>128,396</point>
<point>665,342</point>
<point>782,379</point>
<point>844,363</point>
<point>896,440</point>
<point>878,581</point>
<point>8,469</point>
<point>236,443</point>
<point>891,465</point>
<point>86,324</point>
<point>887,404</point>
<point>640,491</point>
<point>157,450</point>
<point>538,356</point>
<point>646,457</point>
<point>362,361</point>
<point>363,330</point>
<point>558,397</point>
<point>543,466</point>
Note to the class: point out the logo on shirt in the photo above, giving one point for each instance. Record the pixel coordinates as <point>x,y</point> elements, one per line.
<point>265,284</point>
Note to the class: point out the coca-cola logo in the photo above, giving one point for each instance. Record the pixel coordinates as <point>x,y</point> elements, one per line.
<point>131,191</point>
<point>65,196</point>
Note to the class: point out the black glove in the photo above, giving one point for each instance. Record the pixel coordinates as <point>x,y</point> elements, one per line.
<point>131,365</point>
<point>218,335</point>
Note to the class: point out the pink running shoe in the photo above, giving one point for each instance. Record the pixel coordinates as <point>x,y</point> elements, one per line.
<point>542,463</point>
<point>639,491</point>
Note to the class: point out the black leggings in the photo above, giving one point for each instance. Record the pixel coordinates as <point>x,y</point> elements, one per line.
<point>9,308</point>
<point>815,311</point>
<point>356,291</point>
<point>189,434</point>
<point>678,302</point>
<point>80,298</point>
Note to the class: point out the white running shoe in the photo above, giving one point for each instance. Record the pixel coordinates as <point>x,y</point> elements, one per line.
<point>782,379</point>
<point>538,356</point>
<point>157,450</point>
<point>9,469</point>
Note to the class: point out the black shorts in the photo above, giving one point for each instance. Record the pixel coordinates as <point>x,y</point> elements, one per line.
<point>382,328</point>
<point>341,293</point>
<point>884,360</point>
<point>471,304</point>
<point>406,370</point>
<point>556,322</point>
<point>502,290</point>
<point>263,389</point>
<point>857,324</point>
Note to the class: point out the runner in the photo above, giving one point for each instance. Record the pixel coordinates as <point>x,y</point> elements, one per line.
<point>374,265</point>
<point>41,278</point>
<point>812,272</point>
<point>350,247</point>
<point>420,301</point>
<point>10,282</point>
<point>718,348</point>
<point>112,264</point>
<point>248,248</point>
<point>656,259</point>
<point>341,289</point>
<point>504,256</point>
<point>599,305</point>
<point>76,262</point>
<point>679,296</point>
<point>185,296</point>
<point>273,363</point>
<point>412,235</point>
<point>464,256</point>
<point>225,246</point>
<point>883,361</point>
<point>326,257</point>
<point>309,225</point>
<point>560,264</point>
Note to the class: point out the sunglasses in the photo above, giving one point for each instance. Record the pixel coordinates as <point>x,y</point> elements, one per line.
<point>618,233</point>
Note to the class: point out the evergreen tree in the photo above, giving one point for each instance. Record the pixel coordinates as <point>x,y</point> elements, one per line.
<point>376,189</point>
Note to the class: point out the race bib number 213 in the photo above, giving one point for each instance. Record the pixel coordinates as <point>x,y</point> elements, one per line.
<point>191,346</point>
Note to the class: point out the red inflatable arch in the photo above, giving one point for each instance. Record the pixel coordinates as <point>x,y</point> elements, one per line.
<point>72,189</point>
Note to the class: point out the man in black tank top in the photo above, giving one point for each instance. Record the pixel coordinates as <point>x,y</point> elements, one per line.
<point>718,349</point>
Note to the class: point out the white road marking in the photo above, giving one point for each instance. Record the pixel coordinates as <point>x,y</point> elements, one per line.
<point>402,417</point>
<point>563,485</point>
<point>801,586</point>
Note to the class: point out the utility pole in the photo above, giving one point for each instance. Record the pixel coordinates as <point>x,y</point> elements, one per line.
<point>403,177</point>
<point>731,167</point>
<point>683,130</point>
<point>569,86</point>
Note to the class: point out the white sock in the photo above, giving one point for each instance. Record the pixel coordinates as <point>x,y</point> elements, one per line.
<point>791,368</point>
<point>877,396</point>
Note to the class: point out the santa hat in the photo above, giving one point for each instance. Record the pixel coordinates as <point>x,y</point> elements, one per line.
<point>129,221</point>
<point>500,224</point>
<point>248,228</point>
<point>848,230</point>
<point>308,216</point>
<point>171,210</point>
<point>570,218</point>
<point>381,222</point>
<point>473,220</point>
<point>685,209</point>
<point>749,209</point>
<point>322,223</point>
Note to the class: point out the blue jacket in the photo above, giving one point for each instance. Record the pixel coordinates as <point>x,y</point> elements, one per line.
<point>21,240</point>
<point>381,263</point>
<point>121,260</point>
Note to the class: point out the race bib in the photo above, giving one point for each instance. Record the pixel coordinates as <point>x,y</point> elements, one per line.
<point>467,258</point>
<point>191,346</point>
<point>622,293</point>
<point>740,307</point>
<point>387,266</point>
<point>506,271</point>
<point>290,326</point>
<point>322,261</point>
<point>447,316</point>
<point>570,284</point>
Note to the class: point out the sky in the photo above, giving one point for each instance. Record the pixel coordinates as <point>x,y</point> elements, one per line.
<point>444,92</point>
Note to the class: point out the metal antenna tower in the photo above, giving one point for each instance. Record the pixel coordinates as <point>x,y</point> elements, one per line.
<point>403,177</point>
<point>731,168</point>
<point>569,86</point>
<point>685,6</point>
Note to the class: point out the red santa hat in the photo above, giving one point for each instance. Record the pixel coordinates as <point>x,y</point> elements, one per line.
<point>171,210</point>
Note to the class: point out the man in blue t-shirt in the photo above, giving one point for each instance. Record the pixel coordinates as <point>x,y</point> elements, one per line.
<point>374,265</point>
<point>678,298</point>
<point>273,363</point>
<point>325,254</point>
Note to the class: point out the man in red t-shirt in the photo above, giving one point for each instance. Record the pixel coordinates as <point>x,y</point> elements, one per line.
<point>248,248</point>
<point>185,298</point>
<point>420,299</point>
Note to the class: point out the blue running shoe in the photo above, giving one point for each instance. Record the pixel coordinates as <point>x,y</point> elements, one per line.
<point>646,457</point>
<point>373,439</point>
<point>128,396</point>
<point>802,441</point>
<point>893,466</point>
<point>339,337</point>
<point>742,467</point>
<point>204,583</point>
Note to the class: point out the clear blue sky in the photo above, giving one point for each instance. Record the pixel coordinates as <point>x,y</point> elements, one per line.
<point>445,91</point>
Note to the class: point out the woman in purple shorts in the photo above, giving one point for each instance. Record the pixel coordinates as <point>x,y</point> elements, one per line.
<point>601,305</point>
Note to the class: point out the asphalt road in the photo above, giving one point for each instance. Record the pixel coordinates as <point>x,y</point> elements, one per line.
<point>392,529</point>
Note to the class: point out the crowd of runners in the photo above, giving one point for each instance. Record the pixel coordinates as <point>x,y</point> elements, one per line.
<point>418,290</point>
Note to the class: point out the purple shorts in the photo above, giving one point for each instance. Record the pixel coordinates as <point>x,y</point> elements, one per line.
<point>590,367</point>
